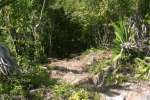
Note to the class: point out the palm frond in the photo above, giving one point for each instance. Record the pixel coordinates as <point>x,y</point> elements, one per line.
<point>121,34</point>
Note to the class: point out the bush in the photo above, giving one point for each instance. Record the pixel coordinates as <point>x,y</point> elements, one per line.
<point>80,95</point>
<point>21,85</point>
<point>63,91</point>
<point>100,66</point>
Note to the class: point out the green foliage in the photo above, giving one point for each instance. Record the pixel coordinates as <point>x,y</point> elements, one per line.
<point>116,79</point>
<point>142,68</point>
<point>123,38</point>
<point>21,85</point>
<point>63,91</point>
<point>100,66</point>
<point>71,25</point>
<point>80,95</point>
<point>121,34</point>
<point>18,33</point>
<point>66,91</point>
<point>93,20</point>
<point>65,27</point>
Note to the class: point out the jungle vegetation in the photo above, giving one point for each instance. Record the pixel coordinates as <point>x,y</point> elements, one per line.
<point>35,30</point>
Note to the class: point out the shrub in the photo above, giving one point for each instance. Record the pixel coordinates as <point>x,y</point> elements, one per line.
<point>142,68</point>
<point>63,91</point>
<point>80,95</point>
<point>21,85</point>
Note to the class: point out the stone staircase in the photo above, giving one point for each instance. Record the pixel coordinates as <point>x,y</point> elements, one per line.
<point>74,71</point>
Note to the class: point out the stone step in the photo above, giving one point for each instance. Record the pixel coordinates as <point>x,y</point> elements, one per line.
<point>73,66</point>
<point>72,78</point>
<point>128,91</point>
<point>81,63</point>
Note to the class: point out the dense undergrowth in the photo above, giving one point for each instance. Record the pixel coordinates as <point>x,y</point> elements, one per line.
<point>66,27</point>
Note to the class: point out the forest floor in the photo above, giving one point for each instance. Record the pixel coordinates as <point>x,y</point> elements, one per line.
<point>75,71</point>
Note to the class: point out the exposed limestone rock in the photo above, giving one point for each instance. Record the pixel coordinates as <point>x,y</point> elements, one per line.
<point>74,72</point>
<point>74,66</point>
<point>118,97</point>
<point>77,79</point>
<point>72,78</point>
<point>135,91</point>
<point>80,64</point>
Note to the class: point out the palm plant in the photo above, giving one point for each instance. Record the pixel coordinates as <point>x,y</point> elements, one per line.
<point>122,36</point>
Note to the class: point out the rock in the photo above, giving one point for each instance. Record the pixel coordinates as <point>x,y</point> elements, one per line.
<point>119,97</point>
<point>74,66</point>
<point>126,95</point>
<point>48,96</point>
<point>92,58</point>
<point>72,78</point>
<point>132,92</point>
<point>77,79</point>
<point>80,64</point>
<point>139,91</point>
<point>73,71</point>
<point>46,93</point>
<point>57,74</point>
<point>137,96</point>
